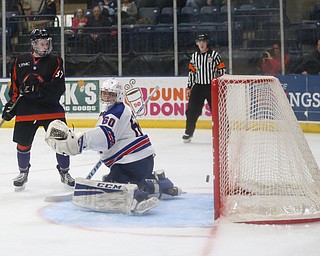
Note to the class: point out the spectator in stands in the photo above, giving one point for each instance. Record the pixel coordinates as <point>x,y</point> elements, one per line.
<point>46,15</point>
<point>129,12</point>
<point>79,20</point>
<point>271,60</point>
<point>97,36</point>
<point>49,10</point>
<point>24,8</point>
<point>310,65</point>
<point>75,35</point>
<point>109,9</point>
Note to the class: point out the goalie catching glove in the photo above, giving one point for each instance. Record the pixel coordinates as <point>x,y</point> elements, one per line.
<point>63,140</point>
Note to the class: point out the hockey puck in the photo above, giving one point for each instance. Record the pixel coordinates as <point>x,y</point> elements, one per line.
<point>207,178</point>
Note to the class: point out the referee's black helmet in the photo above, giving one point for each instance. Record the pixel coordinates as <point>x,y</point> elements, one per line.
<point>202,37</point>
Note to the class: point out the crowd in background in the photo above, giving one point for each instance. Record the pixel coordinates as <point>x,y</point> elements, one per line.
<point>103,13</point>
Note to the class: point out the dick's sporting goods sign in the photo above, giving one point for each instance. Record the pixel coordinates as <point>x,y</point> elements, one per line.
<point>81,96</point>
<point>170,101</point>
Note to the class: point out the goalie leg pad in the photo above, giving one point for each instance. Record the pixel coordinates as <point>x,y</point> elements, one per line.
<point>109,197</point>
<point>103,196</point>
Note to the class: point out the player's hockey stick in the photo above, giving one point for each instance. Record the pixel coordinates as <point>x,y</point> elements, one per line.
<point>68,197</point>
<point>12,108</point>
<point>64,198</point>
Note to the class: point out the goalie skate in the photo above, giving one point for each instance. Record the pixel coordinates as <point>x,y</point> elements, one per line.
<point>168,194</point>
<point>171,192</point>
<point>20,181</point>
<point>145,206</point>
<point>168,190</point>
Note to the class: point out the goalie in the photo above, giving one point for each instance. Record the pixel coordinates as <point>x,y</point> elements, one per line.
<point>123,148</point>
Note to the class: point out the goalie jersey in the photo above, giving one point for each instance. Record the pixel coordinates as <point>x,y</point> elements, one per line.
<point>118,137</point>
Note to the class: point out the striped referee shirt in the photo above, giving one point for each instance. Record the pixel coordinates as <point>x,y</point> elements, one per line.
<point>203,67</point>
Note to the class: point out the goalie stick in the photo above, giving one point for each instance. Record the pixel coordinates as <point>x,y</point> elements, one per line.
<point>68,197</point>
<point>13,106</point>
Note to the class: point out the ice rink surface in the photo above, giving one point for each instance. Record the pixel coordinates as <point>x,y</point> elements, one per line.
<point>181,227</point>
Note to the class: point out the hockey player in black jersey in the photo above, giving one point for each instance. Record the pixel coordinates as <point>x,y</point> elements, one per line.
<point>38,78</point>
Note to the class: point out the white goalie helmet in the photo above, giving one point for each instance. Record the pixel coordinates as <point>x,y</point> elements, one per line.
<point>111,92</point>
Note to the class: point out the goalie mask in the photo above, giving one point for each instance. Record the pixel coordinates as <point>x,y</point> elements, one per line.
<point>41,42</point>
<point>111,93</point>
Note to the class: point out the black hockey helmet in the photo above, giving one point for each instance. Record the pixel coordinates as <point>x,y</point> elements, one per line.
<point>40,34</point>
<point>202,37</point>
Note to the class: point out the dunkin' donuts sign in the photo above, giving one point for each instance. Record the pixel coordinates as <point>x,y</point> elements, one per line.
<point>168,102</point>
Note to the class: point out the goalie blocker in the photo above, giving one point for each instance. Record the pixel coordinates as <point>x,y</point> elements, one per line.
<point>112,197</point>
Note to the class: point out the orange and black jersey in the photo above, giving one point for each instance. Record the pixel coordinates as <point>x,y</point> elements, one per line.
<point>203,67</point>
<point>45,105</point>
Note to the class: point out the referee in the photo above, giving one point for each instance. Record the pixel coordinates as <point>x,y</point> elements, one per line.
<point>205,64</point>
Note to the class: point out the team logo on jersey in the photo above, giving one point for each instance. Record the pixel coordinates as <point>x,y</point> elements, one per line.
<point>24,64</point>
<point>210,59</point>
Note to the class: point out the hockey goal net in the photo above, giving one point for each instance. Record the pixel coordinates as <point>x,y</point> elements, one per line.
<point>263,167</point>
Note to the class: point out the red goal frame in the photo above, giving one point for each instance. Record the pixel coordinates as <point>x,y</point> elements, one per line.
<point>218,205</point>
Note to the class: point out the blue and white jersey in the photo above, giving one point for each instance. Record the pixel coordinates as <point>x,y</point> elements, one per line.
<point>118,137</point>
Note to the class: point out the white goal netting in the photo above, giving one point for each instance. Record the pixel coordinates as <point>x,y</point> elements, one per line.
<point>266,170</point>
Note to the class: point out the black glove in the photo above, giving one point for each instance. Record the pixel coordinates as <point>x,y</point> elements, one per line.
<point>8,113</point>
<point>31,85</point>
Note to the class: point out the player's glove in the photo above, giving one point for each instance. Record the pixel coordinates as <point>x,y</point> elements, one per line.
<point>31,85</point>
<point>8,113</point>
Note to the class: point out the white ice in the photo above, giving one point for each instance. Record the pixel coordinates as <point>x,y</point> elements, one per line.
<point>25,229</point>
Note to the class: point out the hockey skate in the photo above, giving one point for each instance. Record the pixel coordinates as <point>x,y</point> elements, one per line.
<point>175,191</point>
<point>145,205</point>
<point>167,193</point>
<point>20,181</point>
<point>186,138</point>
<point>66,177</point>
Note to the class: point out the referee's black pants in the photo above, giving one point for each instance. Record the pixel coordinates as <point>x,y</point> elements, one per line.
<point>199,94</point>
